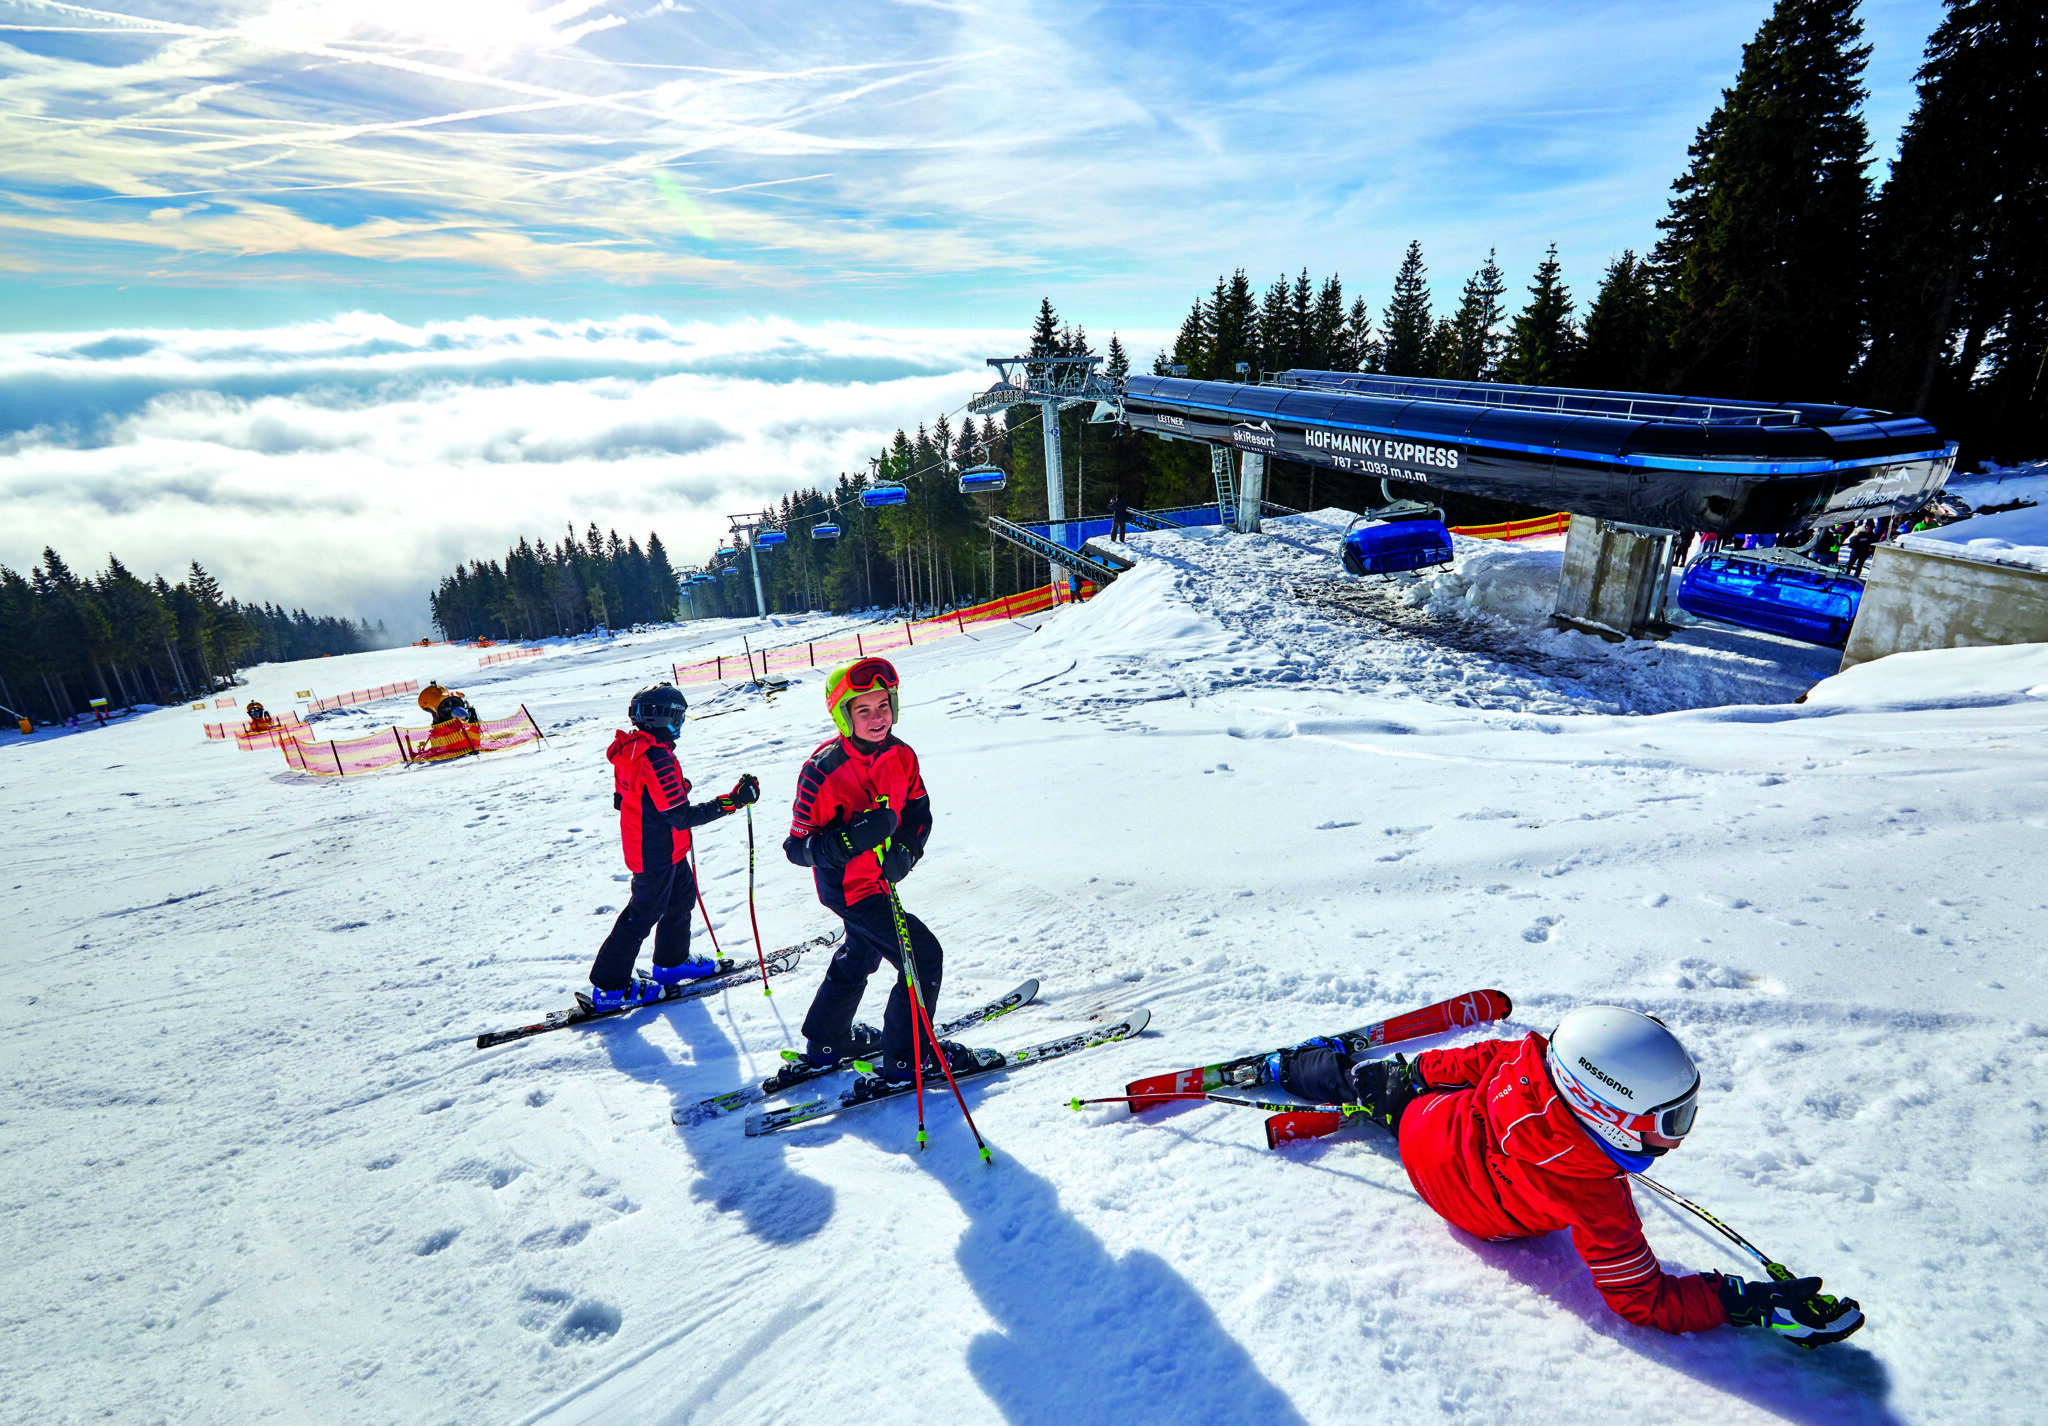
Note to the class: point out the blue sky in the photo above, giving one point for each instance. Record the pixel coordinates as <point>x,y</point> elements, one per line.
<point>928,163</point>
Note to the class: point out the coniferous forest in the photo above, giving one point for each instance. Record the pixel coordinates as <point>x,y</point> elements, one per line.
<point>66,640</point>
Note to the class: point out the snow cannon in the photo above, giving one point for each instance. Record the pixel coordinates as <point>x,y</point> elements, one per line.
<point>1775,592</point>
<point>446,705</point>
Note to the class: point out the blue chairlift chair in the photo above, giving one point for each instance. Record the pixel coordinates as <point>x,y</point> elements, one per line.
<point>1397,537</point>
<point>883,495</point>
<point>1799,600</point>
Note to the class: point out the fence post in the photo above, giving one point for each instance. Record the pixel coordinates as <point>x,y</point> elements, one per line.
<point>814,654</point>
<point>857,645</point>
<point>906,634</point>
<point>719,672</point>
<point>403,755</point>
<point>531,724</point>
<point>332,748</point>
<point>960,618</point>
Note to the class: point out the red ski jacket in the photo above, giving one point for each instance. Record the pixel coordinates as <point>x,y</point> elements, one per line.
<point>1501,1156</point>
<point>653,801</point>
<point>840,781</point>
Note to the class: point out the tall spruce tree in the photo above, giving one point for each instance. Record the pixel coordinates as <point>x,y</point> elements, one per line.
<point>1476,327</point>
<point>1959,257</point>
<point>1405,325</point>
<point>1766,232</point>
<point>1619,350</point>
<point>1543,344</point>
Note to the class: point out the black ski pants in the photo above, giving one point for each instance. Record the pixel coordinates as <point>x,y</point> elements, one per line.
<point>870,940</point>
<point>662,902</point>
<point>1324,1076</point>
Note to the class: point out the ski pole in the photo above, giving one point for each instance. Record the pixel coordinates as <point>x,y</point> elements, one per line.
<point>1267,1104</point>
<point>759,954</point>
<point>910,986</point>
<point>1820,1303</point>
<point>924,1015</point>
<point>699,884</point>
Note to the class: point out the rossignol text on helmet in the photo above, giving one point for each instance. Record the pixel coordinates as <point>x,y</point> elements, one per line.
<point>1624,1075</point>
<point>658,709</point>
<point>849,681</point>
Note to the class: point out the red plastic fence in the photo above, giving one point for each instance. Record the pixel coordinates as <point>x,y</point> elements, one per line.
<point>395,746</point>
<point>1518,529</point>
<point>881,639</point>
<point>363,695</point>
<point>284,725</point>
<point>507,655</point>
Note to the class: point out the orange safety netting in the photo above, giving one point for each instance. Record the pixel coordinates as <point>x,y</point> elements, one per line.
<point>363,695</point>
<point>507,655</point>
<point>395,746</point>
<point>1518,529</point>
<point>880,640</point>
<point>284,725</point>
<point>223,702</point>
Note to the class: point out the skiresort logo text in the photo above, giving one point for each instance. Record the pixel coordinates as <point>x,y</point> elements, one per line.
<point>1605,1078</point>
<point>1376,448</point>
<point>1259,437</point>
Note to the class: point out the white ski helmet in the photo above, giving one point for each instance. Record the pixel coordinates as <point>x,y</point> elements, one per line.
<point>1623,1073</point>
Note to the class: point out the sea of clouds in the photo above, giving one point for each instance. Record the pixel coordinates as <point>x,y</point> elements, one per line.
<point>346,465</point>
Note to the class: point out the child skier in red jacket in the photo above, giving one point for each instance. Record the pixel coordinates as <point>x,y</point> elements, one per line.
<point>656,818</point>
<point>1515,1138</point>
<point>861,794</point>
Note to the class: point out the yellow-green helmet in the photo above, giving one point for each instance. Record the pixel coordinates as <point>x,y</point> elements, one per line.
<point>849,680</point>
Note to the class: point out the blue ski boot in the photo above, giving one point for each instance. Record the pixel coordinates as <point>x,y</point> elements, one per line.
<point>640,992</point>
<point>695,969</point>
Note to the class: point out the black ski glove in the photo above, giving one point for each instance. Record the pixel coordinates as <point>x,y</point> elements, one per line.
<point>898,861</point>
<point>1793,1307</point>
<point>744,792</point>
<point>839,844</point>
<point>1384,1088</point>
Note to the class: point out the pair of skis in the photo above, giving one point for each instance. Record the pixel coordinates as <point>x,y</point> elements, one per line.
<point>729,975</point>
<point>794,1076</point>
<point>1289,1122</point>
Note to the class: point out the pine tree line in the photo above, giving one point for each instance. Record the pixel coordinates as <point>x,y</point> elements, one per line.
<point>597,582</point>
<point>66,640</point>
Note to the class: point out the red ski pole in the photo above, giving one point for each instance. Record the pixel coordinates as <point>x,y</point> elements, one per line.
<point>695,881</point>
<point>921,1016</point>
<point>759,954</point>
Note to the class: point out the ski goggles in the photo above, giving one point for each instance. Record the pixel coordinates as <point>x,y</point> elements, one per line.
<point>867,675</point>
<point>1670,1120</point>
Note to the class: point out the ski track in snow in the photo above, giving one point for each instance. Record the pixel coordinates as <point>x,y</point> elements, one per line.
<point>257,1170</point>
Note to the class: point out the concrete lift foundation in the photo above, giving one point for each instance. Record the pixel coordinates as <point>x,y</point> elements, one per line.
<point>1616,579</point>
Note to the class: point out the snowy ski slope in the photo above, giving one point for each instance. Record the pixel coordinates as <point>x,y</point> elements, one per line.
<point>256,1171</point>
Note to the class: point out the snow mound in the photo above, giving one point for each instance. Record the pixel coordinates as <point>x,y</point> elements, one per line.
<point>1140,614</point>
<point>1515,582</point>
<point>1939,678</point>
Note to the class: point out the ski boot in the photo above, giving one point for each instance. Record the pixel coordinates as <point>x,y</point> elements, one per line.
<point>816,1059</point>
<point>961,1060</point>
<point>695,969</point>
<point>640,992</point>
<point>1383,1089</point>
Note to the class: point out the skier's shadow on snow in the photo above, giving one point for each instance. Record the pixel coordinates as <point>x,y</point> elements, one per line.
<point>738,1174</point>
<point>1840,1384</point>
<point>1080,1334</point>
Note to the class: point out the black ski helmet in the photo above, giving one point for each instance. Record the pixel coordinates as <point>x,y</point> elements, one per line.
<point>658,709</point>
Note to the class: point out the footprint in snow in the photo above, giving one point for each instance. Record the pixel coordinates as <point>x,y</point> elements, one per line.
<point>435,1242</point>
<point>1544,930</point>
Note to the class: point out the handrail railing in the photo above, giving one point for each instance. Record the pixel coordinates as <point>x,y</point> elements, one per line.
<point>1563,401</point>
<point>1051,551</point>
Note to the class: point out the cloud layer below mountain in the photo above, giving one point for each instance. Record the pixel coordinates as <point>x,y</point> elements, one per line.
<point>345,466</point>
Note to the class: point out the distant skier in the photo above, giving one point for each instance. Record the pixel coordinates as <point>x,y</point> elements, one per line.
<point>655,821</point>
<point>862,793</point>
<point>1516,1138</point>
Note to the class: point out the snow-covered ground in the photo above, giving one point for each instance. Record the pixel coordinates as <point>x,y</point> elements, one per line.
<point>2013,537</point>
<point>256,1170</point>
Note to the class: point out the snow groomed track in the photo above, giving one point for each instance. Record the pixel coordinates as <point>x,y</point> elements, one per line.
<point>1735,467</point>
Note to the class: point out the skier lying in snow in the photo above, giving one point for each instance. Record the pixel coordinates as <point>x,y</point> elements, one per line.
<point>1511,1139</point>
<point>655,820</point>
<point>862,793</point>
